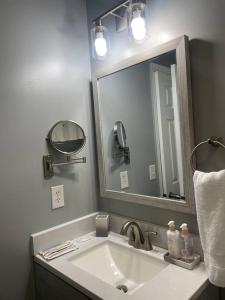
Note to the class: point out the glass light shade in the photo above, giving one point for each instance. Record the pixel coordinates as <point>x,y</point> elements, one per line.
<point>137,21</point>
<point>100,42</point>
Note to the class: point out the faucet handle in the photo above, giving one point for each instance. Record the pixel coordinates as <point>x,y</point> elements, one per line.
<point>148,243</point>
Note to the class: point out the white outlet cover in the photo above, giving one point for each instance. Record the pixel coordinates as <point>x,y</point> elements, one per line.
<point>57,196</point>
<point>124,180</point>
<point>152,172</point>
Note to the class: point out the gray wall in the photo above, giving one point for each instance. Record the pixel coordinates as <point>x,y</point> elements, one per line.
<point>203,21</point>
<point>129,102</point>
<point>44,77</point>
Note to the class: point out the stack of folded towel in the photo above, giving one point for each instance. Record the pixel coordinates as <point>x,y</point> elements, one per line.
<point>58,250</point>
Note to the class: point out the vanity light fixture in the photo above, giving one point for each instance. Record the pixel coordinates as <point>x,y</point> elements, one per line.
<point>133,12</point>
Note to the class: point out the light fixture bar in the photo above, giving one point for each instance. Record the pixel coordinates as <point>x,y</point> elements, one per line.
<point>116,15</point>
<point>112,11</point>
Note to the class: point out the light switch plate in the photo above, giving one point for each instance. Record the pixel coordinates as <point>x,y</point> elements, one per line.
<point>152,172</point>
<point>57,196</point>
<point>124,180</point>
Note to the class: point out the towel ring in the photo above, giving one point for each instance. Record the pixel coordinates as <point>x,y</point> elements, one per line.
<point>213,141</point>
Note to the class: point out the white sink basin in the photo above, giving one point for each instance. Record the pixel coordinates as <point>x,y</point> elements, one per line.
<point>118,265</point>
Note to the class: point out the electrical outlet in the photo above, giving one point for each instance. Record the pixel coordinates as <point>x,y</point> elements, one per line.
<point>57,196</point>
<point>124,180</point>
<point>152,172</point>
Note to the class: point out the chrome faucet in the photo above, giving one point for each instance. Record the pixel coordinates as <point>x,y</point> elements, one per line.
<point>136,237</point>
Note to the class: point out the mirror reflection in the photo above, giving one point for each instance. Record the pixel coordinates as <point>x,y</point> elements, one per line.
<point>120,134</point>
<point>67,137</point>
<point>120,151</point>
<point>145,99</point>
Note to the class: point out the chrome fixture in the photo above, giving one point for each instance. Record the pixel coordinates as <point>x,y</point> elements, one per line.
<point>136,237</point>
<point>120,139</point>
<point>129,13</point>
<point>115,11</point>
<point>49,164</point>
<point>215,141</point>
<point>66,138</point>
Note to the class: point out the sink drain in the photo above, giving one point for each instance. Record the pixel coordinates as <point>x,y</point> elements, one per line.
<point>122,287</point>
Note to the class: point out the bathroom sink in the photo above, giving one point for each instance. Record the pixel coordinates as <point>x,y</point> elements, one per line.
<point>122,267</point>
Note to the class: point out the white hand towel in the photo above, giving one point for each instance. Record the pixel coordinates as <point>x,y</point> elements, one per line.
<point>210,206</point>
<point>59,250</point>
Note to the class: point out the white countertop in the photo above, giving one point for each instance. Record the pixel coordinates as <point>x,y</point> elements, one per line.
<point>173,283</point>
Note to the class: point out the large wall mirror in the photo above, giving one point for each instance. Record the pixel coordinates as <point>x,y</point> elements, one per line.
<point>144,128</point>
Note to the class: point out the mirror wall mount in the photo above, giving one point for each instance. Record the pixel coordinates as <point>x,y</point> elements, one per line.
<point>48,162</point>
<point>66,138</point>
<point>179,46</point>
<point>120,139</point>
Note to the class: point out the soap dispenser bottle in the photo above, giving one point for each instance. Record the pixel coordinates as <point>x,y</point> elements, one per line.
<point>186,244</point>
<point>173,238</point>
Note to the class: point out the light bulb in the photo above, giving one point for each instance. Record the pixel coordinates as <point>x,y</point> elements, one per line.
<point>138,28</point>
<point>138,22</point>
<point>100,44</point>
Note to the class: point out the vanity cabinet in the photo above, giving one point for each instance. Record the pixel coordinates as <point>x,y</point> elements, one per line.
<point>210,293</point>
<point>50,287</point>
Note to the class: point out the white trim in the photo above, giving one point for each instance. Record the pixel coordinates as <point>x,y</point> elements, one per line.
<point>155,124</point>
<point>177,129</point>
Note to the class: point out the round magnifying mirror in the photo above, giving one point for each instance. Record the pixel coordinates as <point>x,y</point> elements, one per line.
<point>67,137</point>
<point>120,134</point>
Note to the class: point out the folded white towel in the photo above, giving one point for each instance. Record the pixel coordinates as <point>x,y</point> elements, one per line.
<point>58,250</point>
<point>210,206</point>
